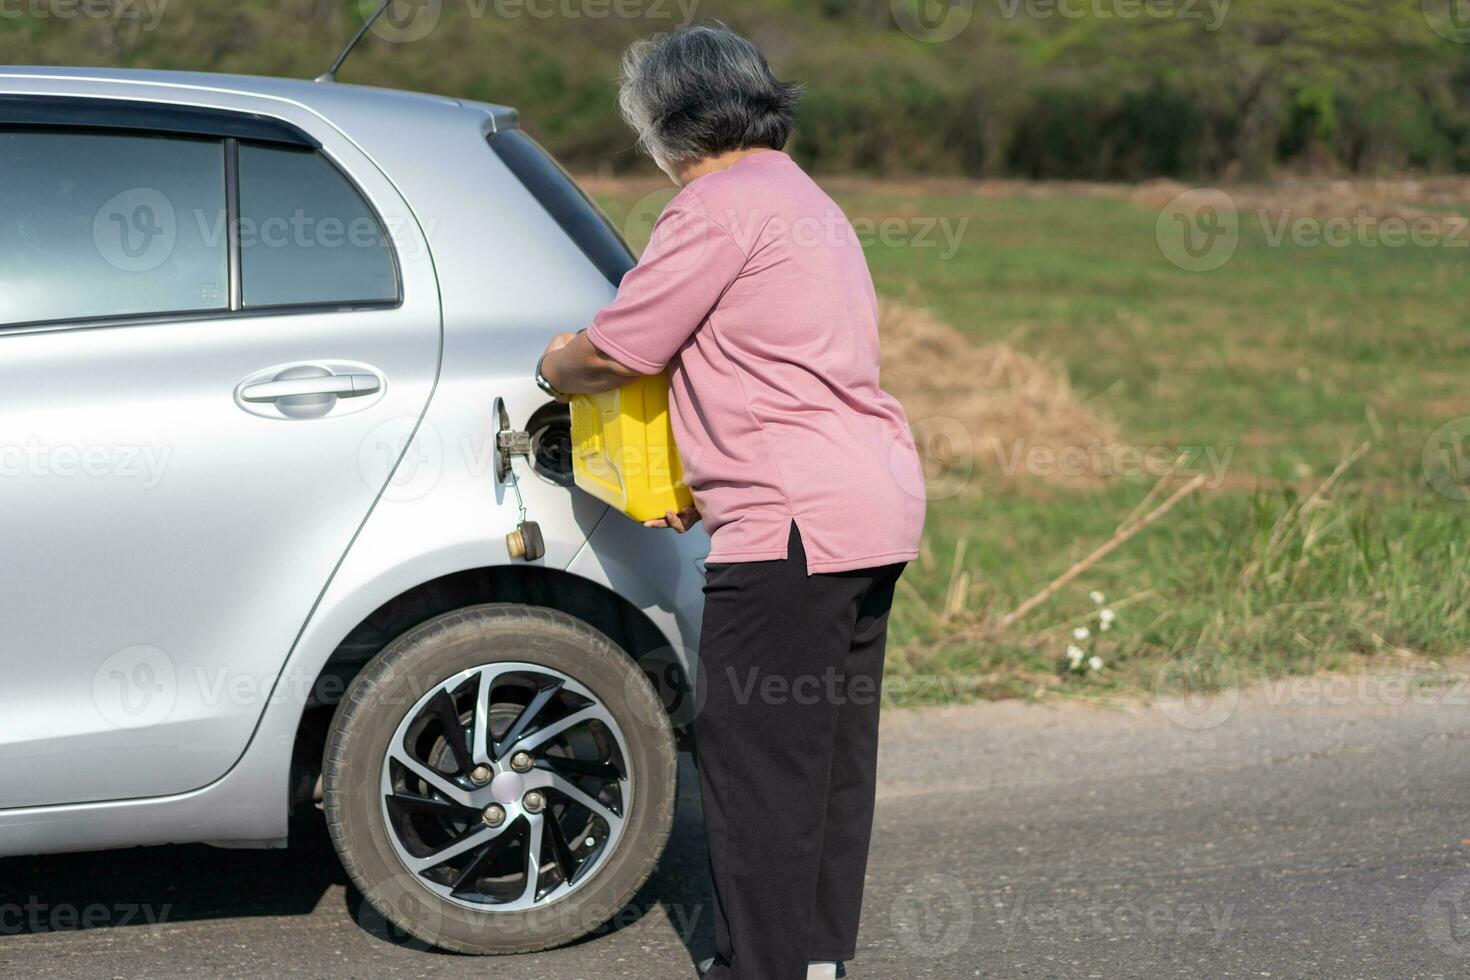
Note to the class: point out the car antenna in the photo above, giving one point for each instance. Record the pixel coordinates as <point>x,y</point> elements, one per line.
<point>330,75</point>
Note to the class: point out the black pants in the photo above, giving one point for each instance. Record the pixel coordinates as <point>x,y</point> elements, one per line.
<point>787,744</point>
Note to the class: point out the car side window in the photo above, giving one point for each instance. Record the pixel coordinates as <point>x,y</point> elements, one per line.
<point>306,235</point>
<point>104,225</point>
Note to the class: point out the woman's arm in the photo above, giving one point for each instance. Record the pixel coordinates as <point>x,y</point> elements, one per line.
<point>574,365</point>
<point>689,263</point>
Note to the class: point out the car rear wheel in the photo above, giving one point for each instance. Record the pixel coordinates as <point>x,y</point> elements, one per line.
<point>500,779</point>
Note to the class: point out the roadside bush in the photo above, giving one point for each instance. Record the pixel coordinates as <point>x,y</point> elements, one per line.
<point>1357,86</point>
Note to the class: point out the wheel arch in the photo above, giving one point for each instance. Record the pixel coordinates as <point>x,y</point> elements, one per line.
<point>629,627</point>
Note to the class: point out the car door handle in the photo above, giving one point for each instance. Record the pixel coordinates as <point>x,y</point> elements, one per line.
<point>341,385</point>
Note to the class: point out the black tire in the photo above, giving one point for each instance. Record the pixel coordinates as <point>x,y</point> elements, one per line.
<point>384,692</point>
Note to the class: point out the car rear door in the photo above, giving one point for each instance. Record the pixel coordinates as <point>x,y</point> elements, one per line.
<point>219,326</point>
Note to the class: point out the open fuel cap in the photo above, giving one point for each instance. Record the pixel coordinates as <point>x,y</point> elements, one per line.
<point>525,541</point>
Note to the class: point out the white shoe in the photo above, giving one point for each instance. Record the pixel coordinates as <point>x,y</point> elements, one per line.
<point>814,971</point>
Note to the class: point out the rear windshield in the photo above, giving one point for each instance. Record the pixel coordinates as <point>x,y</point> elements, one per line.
<point>583,222</point>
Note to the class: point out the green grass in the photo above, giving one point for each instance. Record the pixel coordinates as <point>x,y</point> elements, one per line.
<point>1363,576</point>
<point>1285,359</point>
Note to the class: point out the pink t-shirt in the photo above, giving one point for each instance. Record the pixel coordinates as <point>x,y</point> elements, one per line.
<point>755,294</point>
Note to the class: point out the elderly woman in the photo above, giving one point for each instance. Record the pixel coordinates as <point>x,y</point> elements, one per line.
<point>755,295</point>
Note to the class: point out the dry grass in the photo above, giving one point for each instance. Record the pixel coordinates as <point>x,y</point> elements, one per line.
<point>1371,201</point>
<point>1006,403</point>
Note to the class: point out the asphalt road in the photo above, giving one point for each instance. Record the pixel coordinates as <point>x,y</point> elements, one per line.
<point>1286,838</point>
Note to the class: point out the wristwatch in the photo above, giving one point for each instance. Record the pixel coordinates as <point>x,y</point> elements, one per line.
<point>545,385</point>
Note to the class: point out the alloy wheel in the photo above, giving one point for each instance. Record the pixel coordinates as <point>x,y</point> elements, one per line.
<point>506,787</point>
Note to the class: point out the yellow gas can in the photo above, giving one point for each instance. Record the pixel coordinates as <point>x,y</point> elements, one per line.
<point>623,449</point>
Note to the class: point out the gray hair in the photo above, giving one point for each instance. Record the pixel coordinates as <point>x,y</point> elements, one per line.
<point>701,91</point>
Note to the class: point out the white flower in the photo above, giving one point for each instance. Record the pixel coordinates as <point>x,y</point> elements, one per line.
<point>1075,654</point>
<point>1096,597</point>
<point>1081,633</point>
<point>1095,662</point>
<point>1107,615</point>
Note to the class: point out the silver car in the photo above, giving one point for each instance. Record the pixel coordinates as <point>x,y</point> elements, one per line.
<point>266,422</point>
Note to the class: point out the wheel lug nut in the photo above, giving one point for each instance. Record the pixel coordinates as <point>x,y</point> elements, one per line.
<point>480,775</point>
<point>533,802</point>
<point>521,762</point>
<point>494,815</point>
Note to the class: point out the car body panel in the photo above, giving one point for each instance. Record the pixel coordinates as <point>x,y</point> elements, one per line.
<point>504,279</point>
<point>159,595</point>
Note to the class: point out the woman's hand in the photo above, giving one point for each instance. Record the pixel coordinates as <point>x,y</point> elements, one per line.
<point>573,364</point>
<point>558,342</point>
<point>546,371</point>
<point>681,522</point>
